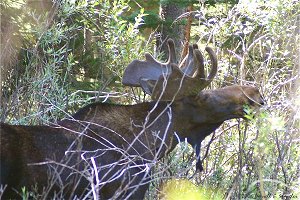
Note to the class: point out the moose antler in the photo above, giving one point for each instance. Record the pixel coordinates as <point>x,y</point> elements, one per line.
<point>165,81</point>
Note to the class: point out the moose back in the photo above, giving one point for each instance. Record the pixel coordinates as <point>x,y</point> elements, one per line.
<point>108,150</point>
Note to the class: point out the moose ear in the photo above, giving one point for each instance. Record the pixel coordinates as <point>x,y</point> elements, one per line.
<point>147,85</point>
<point>150,68</point>
<point>139,69</point>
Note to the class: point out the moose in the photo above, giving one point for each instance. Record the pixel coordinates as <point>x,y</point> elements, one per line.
<point>108,150</point>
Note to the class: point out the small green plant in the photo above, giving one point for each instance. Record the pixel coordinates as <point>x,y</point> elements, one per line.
<point>249,114</point>
<point>25,193</point>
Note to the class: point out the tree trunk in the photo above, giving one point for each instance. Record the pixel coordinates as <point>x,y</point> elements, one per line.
<point>175,26</point>
<point>171,28</point>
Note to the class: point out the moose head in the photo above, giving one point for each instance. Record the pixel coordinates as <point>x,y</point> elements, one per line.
<point>171,82</point>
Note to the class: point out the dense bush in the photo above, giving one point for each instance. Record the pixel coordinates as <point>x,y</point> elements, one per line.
<point>71,56</point>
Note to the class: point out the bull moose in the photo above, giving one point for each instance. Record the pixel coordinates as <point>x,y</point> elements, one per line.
<point>108,150</point>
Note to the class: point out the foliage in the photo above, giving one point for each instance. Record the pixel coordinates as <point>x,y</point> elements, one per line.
<point>152,17</point>
<point>65,58</point>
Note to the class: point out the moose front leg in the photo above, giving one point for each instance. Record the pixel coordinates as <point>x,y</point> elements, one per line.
<point>199,166</point>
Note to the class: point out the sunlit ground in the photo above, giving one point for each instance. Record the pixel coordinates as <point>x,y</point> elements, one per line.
<point>185,190</point>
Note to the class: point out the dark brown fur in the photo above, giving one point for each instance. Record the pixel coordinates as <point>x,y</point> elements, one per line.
<point>123,141</point>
